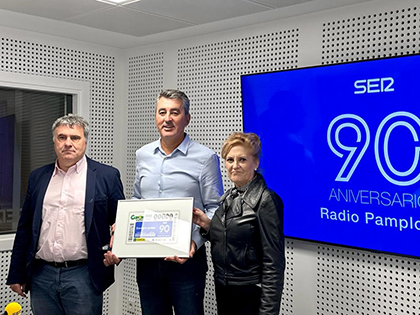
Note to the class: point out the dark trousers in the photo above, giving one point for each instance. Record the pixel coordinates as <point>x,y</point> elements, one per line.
<point>166,286</point>
<point>62,291</point>
<point>238,299</point>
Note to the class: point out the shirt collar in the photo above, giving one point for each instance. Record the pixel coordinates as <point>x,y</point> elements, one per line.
<point>79,166</point>
<point>243,188</point>
<point>183,146</point>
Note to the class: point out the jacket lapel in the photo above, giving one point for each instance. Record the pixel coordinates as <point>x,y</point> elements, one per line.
<point>90,194</point>
<point>235,208</point>
<point>253,195</point>
<point>36,225</point>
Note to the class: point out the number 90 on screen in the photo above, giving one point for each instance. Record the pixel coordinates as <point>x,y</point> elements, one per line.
<point>352,153</point>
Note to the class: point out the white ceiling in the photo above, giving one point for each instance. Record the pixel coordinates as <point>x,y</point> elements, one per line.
<point>141,19</point>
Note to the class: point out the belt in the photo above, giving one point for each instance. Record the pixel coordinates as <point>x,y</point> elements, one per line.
<point>65,264</point>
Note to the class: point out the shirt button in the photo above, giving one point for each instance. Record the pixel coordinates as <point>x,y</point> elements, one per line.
<point>160,191</point>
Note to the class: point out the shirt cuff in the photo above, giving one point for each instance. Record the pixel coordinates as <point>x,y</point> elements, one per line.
<point>197,238</point>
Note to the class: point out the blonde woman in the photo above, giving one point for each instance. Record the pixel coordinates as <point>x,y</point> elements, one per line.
<point>246,235</point>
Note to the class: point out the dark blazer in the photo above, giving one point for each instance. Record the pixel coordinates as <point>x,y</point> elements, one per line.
<point>103,190</point>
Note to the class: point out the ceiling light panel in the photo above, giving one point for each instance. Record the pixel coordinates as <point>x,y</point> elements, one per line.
<point>118,2</point>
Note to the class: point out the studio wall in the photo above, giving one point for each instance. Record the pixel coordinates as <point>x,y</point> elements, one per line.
<point>320,279</point>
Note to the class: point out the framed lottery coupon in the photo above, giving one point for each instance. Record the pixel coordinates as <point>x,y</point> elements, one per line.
<point>153,228</point>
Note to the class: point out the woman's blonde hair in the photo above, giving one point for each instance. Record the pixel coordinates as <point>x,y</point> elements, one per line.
<point>250,140</point>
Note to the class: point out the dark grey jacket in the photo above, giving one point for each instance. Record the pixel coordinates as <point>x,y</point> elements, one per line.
<point>247,242</point>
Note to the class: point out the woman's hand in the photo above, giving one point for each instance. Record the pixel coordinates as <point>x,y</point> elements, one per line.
<point>200,218</point>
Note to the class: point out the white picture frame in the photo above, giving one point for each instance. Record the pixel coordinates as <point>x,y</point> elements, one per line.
<point>156,228</point>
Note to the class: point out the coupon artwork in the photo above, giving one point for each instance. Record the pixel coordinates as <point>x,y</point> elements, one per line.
<point>152,226</point>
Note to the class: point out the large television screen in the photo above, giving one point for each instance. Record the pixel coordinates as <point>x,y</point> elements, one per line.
<point>340,145</point>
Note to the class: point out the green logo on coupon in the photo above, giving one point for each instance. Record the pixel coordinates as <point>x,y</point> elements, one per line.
<point>136,217</point>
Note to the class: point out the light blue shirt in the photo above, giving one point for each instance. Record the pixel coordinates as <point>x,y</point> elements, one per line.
<point>191,170</point>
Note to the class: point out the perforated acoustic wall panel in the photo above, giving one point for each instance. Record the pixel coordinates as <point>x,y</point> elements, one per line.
<point>288,298</point>
<point>38,59</point>
<point>357,282</point>
<point>7,295</point>
<point>382,34</point>
<point>210,75</point>
<point>53,61</point>
<point>350,281</point>
<point>145,81</point>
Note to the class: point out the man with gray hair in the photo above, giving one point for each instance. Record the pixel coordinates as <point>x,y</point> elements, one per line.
<point>175,166</point>
<point>64,227</point>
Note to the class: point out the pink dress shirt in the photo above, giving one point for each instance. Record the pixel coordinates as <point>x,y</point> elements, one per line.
<point>62,235</point>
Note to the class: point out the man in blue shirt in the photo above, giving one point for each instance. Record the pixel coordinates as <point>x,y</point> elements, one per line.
<point>175,166</point>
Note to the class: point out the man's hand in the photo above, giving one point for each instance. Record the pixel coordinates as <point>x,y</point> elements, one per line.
<point>109,258</point>
<point>18,288</point>
<point>183,260</point>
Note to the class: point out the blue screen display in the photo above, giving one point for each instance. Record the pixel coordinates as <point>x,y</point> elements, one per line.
<point>340,145</point>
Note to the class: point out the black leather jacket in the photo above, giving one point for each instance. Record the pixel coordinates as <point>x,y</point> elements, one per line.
<point>247,242</point>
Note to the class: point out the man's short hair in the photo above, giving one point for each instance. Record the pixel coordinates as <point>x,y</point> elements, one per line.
<point>72,120</point>
<point>176,95</point>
